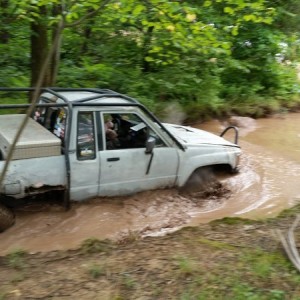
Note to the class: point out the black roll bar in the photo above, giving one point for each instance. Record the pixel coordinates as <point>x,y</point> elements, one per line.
<point>236,137</point>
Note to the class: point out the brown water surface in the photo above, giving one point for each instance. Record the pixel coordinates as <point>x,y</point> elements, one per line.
<point>267,183</point>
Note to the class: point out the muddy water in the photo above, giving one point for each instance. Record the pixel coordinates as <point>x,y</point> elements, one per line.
<point>267,183</point>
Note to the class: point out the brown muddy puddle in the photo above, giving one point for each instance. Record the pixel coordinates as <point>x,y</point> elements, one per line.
<point>267,183</point>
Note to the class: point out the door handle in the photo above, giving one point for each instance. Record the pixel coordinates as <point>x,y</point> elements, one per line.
<point>113,159</point>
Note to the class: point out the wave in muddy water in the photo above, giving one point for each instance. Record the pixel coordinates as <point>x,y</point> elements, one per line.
<point>148,213</point>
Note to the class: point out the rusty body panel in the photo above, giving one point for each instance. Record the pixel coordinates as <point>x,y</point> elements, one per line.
<point>26,175</point>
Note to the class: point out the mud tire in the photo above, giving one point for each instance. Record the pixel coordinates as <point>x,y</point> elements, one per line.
<point>202,179</point>
<point>7,217</point>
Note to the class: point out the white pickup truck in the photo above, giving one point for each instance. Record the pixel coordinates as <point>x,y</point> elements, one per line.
<point>93,142</point>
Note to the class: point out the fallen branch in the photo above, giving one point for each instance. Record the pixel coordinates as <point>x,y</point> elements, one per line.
<point>289,245</point>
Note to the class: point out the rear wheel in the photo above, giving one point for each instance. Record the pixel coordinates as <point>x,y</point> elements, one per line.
<point>7,217</point>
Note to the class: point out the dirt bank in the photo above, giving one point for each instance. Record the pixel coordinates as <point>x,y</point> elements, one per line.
<point>229,259</point>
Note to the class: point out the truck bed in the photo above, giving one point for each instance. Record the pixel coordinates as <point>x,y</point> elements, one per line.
<point>35,141</point>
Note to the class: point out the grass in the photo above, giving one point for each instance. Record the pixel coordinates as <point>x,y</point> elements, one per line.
<point>263,264</point>
<point>16,259</point>
<point>95,270</point>
<point>93,245</point>
<point>290,212</point>
<point>216,244</point>
<point>220,288</point>
<point>252,274</point>
<point>233,221</point>
<point>2,295</point>
<point>186,266</point>
<point>128,281</point>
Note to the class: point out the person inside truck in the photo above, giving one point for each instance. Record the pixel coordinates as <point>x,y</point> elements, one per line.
<point>122,127</point>
<point>130,130</point>
<point>111,135</point>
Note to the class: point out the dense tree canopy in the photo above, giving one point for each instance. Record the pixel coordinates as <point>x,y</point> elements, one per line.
<point>209,56</point>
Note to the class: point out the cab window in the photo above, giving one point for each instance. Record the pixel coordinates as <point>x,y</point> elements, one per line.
<point>85,136</point>
<point>126,131</point>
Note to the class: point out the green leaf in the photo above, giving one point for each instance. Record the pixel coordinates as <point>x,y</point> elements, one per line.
<point>149,58</point>
<point>228,10</point>
<point>207,3</point>
<point>235,30</point>
<point>248,18</point>
<point>138,9</point>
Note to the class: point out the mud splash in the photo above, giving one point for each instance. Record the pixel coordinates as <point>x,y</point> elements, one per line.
<point>267,183</point>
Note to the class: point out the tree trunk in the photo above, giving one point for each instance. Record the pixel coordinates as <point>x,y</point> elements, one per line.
<point>4,33</point>
<point>39,48</point>
<point>55,57</point>
<point>87,33</point>
<point>146,45</point>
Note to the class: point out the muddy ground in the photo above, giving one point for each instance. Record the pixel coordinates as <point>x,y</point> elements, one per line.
<point>228,259</point>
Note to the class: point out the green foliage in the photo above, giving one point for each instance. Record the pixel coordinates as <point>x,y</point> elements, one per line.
<point>211,57</point>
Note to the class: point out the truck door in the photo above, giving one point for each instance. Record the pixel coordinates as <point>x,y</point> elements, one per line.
<point>125,166</point>
<point>84,158</point>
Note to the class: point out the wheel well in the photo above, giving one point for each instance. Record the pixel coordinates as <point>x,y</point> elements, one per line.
<point>215,169</point>
<point>222,168</point>
<point>209,173</point>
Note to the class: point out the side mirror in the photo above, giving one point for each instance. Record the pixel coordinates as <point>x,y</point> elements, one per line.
<point>150,144</point>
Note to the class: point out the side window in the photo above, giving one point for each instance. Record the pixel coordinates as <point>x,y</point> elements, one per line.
<point>60,124</point>
<point>126,131</point>
<point>85,136</point>
<point>52,118</point>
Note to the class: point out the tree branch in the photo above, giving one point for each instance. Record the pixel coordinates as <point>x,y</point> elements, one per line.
<point>289,245</point>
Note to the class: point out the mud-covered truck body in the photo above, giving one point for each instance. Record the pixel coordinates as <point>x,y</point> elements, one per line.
<point>92,142</point>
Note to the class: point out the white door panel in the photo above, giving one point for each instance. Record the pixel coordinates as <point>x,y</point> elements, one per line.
<point>84,178</point>
<point>84,161</point>
<point>124,171</point>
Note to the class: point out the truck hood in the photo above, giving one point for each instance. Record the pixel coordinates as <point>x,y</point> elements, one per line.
<point>190,136</point>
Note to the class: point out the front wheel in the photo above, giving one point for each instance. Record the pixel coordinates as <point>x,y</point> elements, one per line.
<point>7,218</point>
<point>201,180</point>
